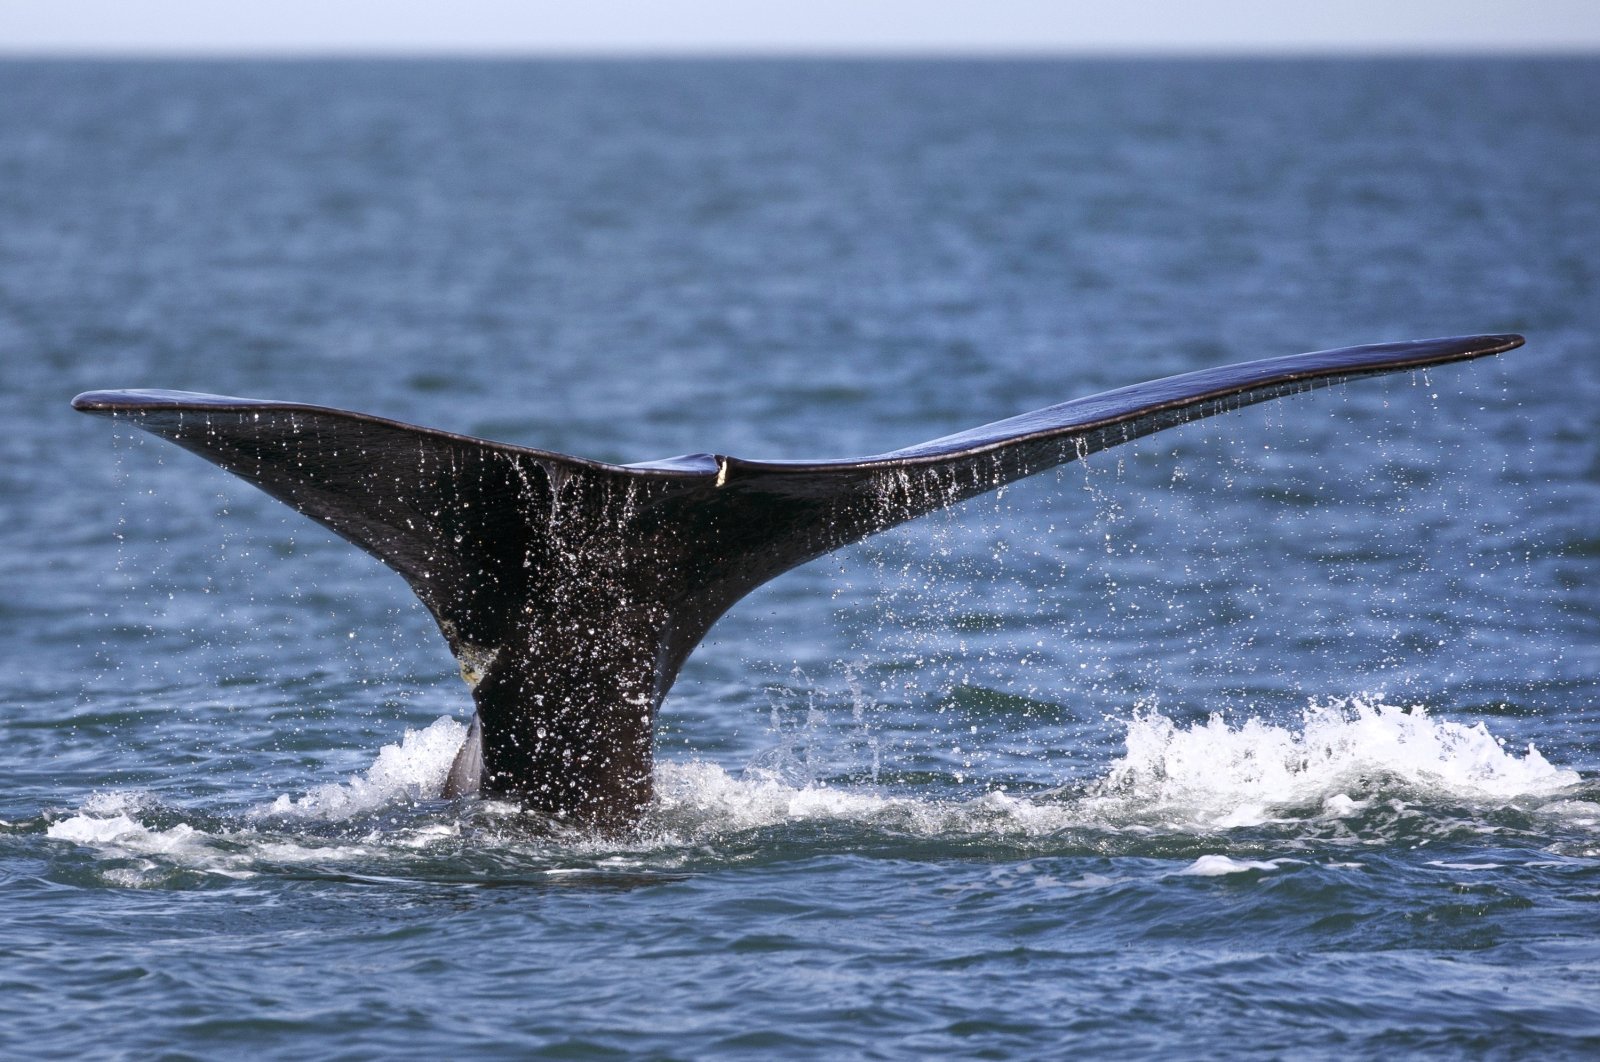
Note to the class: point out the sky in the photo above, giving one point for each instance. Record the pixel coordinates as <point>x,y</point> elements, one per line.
<point>518,27</point>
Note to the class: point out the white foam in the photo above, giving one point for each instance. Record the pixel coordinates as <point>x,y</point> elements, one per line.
<point>707,792</point>
<point>1220,775</point>
<point>1577,812</point>
<point>413,770</point>
<point>110,819</point>
<point>114,802</point>
<point>1208,777</point>
<point>119,830</point>
<point>1216,866</point>
<point>1211,775</point>
<point>121,835</point>
<point>1464,866</point>
<point>146,854</point>
<point>696,798</point>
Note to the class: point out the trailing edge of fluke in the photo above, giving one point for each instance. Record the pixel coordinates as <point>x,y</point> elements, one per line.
<point>571,591</point>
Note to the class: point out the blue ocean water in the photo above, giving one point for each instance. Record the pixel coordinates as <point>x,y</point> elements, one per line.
<point>1274,735</point>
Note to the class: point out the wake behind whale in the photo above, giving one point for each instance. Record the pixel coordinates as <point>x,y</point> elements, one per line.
<point>572,591</point>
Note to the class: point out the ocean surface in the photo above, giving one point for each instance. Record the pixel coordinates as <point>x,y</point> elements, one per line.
<point>1275,735</point>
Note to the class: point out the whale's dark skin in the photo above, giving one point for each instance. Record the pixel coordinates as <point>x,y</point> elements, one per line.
<point>572,591</point>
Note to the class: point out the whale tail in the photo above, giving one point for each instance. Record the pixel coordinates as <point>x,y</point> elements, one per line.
<point>572,591</point>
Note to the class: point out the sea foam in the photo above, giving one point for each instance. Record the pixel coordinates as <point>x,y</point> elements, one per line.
<point>414,769</point>
<point>1225,775</point>
<point>1208,777</point>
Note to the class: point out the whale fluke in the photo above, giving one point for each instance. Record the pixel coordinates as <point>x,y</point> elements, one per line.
<point>571,591</point>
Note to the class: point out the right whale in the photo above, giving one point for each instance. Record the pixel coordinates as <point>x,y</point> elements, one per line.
<point>572,591</point>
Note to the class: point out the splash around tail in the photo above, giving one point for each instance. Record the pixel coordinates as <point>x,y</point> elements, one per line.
<point>1350,776</point>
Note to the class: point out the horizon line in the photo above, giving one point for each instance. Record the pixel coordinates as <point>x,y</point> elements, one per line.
<point>1520,50</point>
